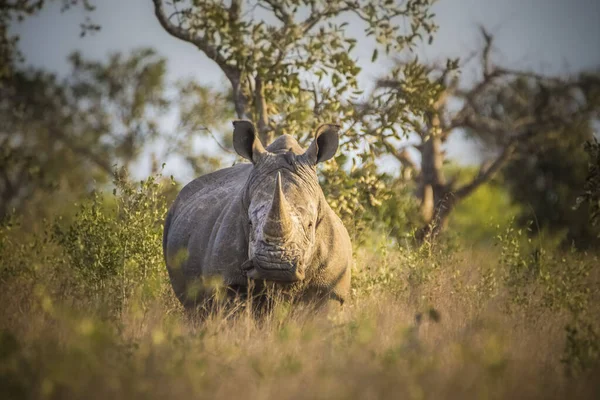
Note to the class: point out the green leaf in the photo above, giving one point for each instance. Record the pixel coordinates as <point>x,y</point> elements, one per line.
<point>374,56</point>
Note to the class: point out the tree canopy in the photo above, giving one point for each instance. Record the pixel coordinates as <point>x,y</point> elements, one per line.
<point>290,63</point>
<point>71,133</point>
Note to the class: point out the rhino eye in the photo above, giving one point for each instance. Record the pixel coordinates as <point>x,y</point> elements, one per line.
<point>310,224</point>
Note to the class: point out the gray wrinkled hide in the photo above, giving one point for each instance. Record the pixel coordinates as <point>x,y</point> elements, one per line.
<point>206,234</point>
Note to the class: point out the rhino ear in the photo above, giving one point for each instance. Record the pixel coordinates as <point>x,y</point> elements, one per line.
<point>245,141</point>
<point>325,144</point>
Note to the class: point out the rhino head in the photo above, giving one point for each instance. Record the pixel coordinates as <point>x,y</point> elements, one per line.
<point>282,201</point>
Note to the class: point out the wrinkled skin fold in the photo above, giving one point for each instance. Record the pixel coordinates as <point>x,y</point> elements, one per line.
<point>260,224</point>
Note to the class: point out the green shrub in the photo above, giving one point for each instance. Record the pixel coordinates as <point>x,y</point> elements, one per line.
<point>109,253</point>
<point>116,250</point>
<point>368,201</point>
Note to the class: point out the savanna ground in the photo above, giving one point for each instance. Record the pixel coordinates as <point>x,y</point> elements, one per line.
<point>87,312</point>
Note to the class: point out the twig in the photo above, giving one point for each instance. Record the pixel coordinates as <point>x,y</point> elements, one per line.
<point>204,128</point>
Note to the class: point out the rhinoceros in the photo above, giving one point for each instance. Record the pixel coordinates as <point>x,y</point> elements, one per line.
<point>260,223</point>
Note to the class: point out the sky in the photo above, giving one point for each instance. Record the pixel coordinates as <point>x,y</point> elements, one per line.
<point>545,36</point>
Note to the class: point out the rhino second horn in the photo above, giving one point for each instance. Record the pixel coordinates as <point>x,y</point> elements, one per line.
<point>278,225</point>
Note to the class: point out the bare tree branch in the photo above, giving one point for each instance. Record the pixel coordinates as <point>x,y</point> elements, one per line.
<point>485,55</point>
<point>234,10</point>
<point>197,40</point>
<point>279,11</point>
<point>212,134</point>
<point>402,155</point>
<point>317,16</point>
<point>486,172</point>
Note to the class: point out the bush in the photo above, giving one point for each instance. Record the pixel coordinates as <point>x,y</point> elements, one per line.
<point>369,201</point>
<point>109,254</point>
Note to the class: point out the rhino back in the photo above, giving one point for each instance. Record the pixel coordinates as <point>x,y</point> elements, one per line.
<point>202,234</point>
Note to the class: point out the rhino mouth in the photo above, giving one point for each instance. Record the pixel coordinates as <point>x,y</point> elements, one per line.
<point>264,268</point>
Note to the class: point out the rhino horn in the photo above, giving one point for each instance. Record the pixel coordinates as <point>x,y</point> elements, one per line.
<point>278,225</point>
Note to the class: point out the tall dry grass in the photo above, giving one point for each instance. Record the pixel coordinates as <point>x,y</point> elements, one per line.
<point>423,323</point>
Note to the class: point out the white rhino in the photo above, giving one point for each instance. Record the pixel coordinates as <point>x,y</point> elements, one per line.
<point>264,221</point>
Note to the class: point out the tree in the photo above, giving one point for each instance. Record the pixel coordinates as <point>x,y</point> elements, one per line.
<point>545,176</point>
<point>591,194</point>
<point>503,109</point>
<point>290,67</point>
<point>270,51</point>
<point>74,132</point>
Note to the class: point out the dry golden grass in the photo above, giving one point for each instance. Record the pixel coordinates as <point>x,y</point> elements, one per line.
<point>419,327</point>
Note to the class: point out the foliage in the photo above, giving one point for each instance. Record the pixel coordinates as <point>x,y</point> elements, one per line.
<point>367,200</point>
<point>127,90</point>
<point>117,251</point>
<point>582,350</point>
<point>545,176</point>
<point>205,115</point>
<point>564,279</point>
<point>292,66</point>
<point>544,281</point>
<point>108,253</point>
<point>62,137</point>
<point>266,55</point>
<point>592,185</point>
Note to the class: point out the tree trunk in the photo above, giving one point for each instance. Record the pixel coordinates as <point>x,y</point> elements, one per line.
<point>431,182</point>
<point>439,219</point>
<point>264,132</point>
<point>239,100</point>
<point>436,199</point>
